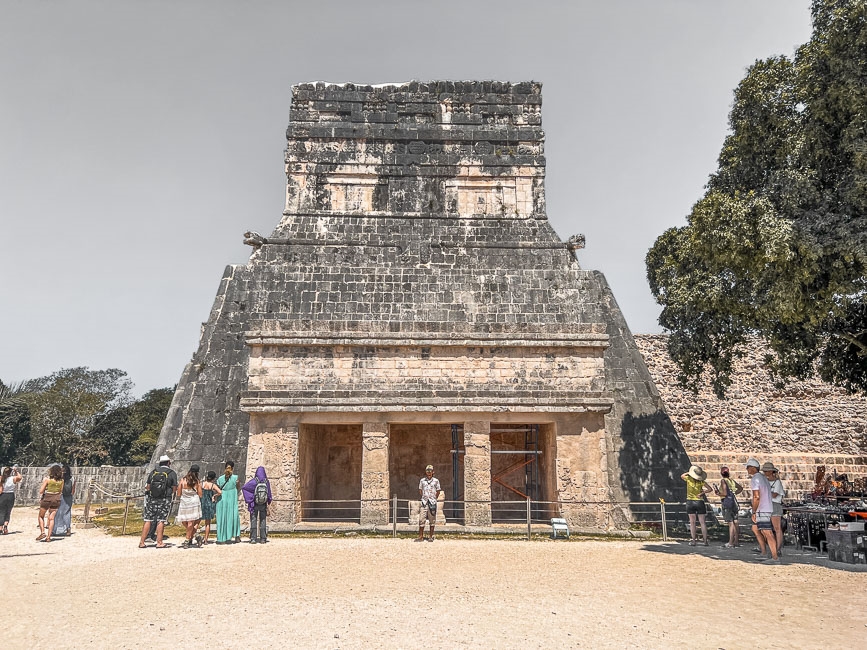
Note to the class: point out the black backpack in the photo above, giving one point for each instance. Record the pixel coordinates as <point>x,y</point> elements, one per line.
<point>159,483</point>
<point>260,496</point>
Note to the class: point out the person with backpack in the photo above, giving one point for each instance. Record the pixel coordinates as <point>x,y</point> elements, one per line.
<point>257,495</point>
<point>728,488</point>
<point>160,487</point>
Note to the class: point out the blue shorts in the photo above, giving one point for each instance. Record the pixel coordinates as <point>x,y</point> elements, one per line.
<point>763,521</point>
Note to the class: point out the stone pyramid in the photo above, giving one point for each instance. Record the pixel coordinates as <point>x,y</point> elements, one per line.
<point>414,284</point>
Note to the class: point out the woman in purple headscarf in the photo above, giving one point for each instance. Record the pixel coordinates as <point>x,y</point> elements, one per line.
<point>257,495</point>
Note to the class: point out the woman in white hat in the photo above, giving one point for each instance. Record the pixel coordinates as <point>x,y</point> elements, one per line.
<point>778,492</point>
<point>696,488</point>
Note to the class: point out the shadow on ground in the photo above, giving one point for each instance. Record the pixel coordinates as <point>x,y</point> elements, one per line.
<point>745,553</point>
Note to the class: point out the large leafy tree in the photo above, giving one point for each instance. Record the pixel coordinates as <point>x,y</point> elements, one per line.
<point>777,246</point>
<point>65,409</point>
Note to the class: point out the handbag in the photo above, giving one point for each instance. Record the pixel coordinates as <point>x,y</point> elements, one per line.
<point>728,501</point>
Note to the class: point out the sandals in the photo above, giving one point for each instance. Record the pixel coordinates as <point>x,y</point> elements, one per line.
<point>142,546</point>
<point>41,537</point>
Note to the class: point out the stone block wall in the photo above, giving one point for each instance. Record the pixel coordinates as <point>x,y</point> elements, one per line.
<point>115,480</point>
<point>797,471</point>
<point>798,427</point>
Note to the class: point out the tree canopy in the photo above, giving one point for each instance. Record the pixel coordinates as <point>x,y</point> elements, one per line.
<point>777,246</point>
<point>81,416</point>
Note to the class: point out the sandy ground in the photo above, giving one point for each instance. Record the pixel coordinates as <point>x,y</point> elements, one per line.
<point>93,590</point>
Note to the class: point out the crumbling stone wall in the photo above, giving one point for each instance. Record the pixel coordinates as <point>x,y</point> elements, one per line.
<point>798,427</point>
<point>811,417</point>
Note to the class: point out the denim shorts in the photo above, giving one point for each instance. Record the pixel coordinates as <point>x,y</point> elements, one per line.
<point>763,521</point>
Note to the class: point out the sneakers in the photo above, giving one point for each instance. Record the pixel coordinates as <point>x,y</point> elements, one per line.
<point>187,544</point>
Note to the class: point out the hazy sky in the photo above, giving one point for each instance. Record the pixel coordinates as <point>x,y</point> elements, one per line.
<point>139,140</point>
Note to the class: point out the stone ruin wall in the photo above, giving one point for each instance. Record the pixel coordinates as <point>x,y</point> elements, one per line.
<point>798,427</point>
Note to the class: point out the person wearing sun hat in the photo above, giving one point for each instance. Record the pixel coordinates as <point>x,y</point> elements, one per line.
<point>696,488</point>
<point>762,506</point>
<point>778,492</point>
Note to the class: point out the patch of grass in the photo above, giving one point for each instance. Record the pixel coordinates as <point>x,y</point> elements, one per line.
<point>112,522</point>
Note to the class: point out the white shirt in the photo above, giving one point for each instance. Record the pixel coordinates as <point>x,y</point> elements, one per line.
<point>10,485</point>
<point>759,481</point>
<point>777,486</point>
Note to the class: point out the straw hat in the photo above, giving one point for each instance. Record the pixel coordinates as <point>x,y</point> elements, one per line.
<point>697,473</point>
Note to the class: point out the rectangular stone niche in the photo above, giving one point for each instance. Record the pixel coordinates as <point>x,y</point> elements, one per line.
<point>413,447</point>
<point>516,475</point>
<point>329,458</point>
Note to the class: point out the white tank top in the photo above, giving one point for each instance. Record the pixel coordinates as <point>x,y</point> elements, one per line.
<point>10,485</point>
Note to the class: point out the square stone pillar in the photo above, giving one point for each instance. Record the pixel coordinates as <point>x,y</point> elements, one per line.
<point>277,451</point>
<point>374,474</point>
<point>477,473</point>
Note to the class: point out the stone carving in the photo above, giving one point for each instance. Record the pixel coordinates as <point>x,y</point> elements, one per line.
<point>254,239</point>
<point>576,242</point>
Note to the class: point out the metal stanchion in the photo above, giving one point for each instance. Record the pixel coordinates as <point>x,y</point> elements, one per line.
<point>529,521</point>
<point>664,522</point>
<point>394,517</point>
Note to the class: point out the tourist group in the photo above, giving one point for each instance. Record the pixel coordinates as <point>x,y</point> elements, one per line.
<point>766,505</point>
<point>201,501</point>
<point>55,500</point>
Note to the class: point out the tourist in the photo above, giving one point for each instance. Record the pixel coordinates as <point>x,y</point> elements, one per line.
<point>257,496</point>
<point>63,518</point>
<point>210,495</point>
<point>228,519</point>
<point>9,481</point>
<point>696,489</point>
<point>762,507</point>
<point>190,506</point>
<point>160,486</point>
<point>728,488</point>
<point>778,492</point>
<point>50,495</point>
<point>429,490</point>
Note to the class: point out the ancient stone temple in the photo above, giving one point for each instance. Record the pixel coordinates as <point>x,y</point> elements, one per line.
<point>415,306</point>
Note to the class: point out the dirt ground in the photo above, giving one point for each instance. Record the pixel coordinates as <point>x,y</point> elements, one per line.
<point>94,590</point>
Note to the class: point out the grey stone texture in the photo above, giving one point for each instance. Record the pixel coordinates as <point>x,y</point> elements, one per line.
<point>413,275</point>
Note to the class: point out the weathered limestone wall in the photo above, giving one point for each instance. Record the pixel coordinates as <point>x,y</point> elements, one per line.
<point>798,427</point>
<point>808,417</point>
<point>115,480</point>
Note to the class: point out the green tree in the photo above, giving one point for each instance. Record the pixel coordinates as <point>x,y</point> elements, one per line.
<point>66,406</point>
<point>14,422</point>
<point>147,417</point>
<point>777,246</point>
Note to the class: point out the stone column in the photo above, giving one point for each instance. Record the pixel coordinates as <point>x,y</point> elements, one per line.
<point>277,452</point>
<point>374,474</point>
<point>477,473</point>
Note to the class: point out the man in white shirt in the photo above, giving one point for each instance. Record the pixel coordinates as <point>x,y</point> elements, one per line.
<point>762,509</point>
<point>429,490</point>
